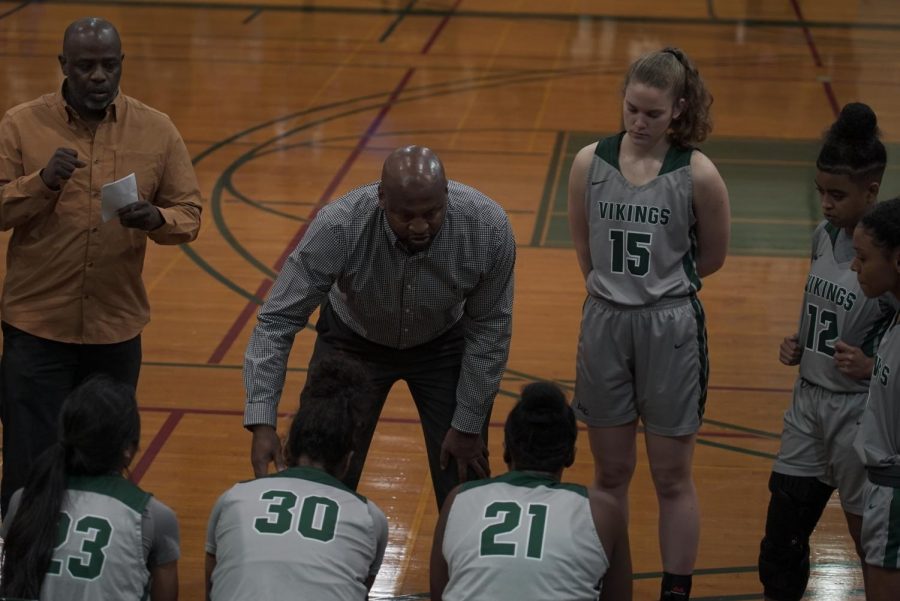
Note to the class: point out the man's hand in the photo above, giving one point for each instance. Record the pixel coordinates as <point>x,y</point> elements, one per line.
<point>265,449</point>
<point>60,168</point>
<point>468,450</point>
<point>790,350</point>
<point>852,362</point>
<point>141,215</point>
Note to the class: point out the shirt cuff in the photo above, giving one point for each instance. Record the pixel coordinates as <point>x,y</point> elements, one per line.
<point>33,185</point>
<point>260,413</point>
<point>467,422</point>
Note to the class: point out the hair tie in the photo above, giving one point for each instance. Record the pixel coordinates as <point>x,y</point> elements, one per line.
<point>674,53</point>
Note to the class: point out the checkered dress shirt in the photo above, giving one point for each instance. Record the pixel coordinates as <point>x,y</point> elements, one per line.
<point>394,298</point>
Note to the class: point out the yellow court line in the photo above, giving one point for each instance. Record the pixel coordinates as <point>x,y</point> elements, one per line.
<point>548,84</point>
<point>177,257</point>
<point>363,42</point>
<point>501,39</point>
<point>560,173</point>
<point>424,499</point>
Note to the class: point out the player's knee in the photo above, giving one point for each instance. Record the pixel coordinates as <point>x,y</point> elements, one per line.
<point>613,475</point>
<point>672,483</point>
<point>794,509</point>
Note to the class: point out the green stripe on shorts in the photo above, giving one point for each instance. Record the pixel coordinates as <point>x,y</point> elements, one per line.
<point>892,547</point>
<point>703,351</point>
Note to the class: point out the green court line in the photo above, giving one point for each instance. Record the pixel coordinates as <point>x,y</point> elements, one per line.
<point>505,393</point>
<point>549,186</point>
<point>217,275</point>
<point>734,449</point>
<point>774,202</point>
<point>721,424</point>
<point>400,16</point>
<point>229,185</point>
<point>476,14</point>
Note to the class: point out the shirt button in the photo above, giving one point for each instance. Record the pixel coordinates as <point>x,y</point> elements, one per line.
<point>409,286</point>
<point>407,310</point>
<point>406,329</point>
<point>94,229</point>
<point>90,264</point>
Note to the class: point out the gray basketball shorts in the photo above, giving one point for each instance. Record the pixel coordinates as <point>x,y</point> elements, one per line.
<point>648,362</point>
<point>881,526</point>
<point>817,441</point>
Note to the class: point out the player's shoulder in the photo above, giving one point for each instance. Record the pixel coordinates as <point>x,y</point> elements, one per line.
<point>702,167</point>
<point>161,513</point>
<point>586,153</point>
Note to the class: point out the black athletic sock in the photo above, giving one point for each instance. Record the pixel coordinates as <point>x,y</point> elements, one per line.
<point>675,587</point>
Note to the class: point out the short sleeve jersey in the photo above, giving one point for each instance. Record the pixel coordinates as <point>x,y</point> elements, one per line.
<point>835,308</point>
<point>525,537</point>
<point>878,437</point>
<point>642,239</point>
<point>298,534</point>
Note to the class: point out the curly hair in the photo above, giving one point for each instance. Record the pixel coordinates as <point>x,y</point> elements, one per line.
<point>672,70</point>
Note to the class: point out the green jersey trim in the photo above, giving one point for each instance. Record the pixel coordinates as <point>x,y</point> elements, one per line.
<point>703,354</point>
<point>833,233</point>
<point>676,158</point>
<point>526,480</point>
<point>892,545</point>
<point>116,487</point>
<point>689,262</point>
<point>875,334</point>
<point>317,475</point>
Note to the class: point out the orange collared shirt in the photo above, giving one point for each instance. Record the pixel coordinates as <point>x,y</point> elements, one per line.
<point>70,277</point>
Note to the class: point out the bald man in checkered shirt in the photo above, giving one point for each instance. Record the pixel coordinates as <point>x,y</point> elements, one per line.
<point>414,277</point>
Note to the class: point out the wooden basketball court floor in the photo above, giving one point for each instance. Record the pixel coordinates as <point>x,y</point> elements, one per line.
<point>285,105</point>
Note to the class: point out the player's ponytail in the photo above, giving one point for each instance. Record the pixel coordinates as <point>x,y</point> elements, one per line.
<point>673,71</point>
<point>336,395</point>
<point>541,430</point>
<point>98,424</point>
<point>852,146</point>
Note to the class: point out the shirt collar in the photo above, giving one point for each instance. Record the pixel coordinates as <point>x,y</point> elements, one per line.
<point>70,114</point>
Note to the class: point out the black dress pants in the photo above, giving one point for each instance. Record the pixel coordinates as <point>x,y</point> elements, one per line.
<point>431,370</point>
<point>36,375</point>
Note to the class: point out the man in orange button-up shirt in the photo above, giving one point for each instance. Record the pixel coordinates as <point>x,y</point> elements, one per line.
<point>73,301</point>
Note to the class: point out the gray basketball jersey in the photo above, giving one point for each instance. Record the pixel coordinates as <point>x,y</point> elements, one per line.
<point>878,438</point>
<point>835,308</point>
<point>522,536</point>
<point>99,554</point>
<point>298,534</point>
<point>642,238</point>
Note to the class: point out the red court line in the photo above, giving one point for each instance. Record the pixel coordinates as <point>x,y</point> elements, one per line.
<point>244,316</point>
<point>238,324</point>
<point>389,420</point>
<point>817,59</point>
<point>440,28</point>
<point>156,444</point>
